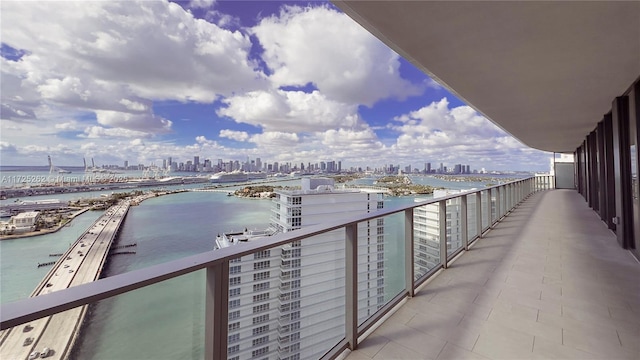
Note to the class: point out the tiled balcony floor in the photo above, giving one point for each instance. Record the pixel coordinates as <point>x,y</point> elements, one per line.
<point>549,282</point>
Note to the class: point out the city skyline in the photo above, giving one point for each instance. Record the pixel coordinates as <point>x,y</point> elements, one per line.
<point>260,165</point>
<point>294,83</point>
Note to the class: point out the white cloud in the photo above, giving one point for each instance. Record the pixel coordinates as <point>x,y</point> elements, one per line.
<point>7,147</point>
<point>98,132</point>
<point>350,140</point>
<point>438,133</point>
<point>67,126</point>
<point>291,110</point>
<point>155,49</point>
<point>277,139</point>
<point>201,3</point>
<point>115,56</point>
<point>437,116</point>
<point>11,112</point>
<point>146,123</point>
<point>234,135</point>
<point>133,105</point>
<point>327,48</point>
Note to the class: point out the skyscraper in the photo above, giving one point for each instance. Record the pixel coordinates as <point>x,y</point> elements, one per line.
<point>283,302</point>
<point>426,226</point>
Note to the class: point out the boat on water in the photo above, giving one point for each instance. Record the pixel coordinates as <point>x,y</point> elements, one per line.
<point>236,176</point>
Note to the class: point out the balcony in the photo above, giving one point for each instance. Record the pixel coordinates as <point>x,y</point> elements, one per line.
<point>549,281</point>
<point>542,278</point>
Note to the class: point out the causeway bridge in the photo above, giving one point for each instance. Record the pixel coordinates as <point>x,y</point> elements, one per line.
<point>81,263</point>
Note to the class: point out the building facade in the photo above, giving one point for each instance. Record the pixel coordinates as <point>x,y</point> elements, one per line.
<point>288,302</point>
<point>426,230</point>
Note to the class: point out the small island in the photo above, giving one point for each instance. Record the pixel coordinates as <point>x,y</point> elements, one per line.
<point>396,186</point>
<point>257,192</point>
<point>43,222</point>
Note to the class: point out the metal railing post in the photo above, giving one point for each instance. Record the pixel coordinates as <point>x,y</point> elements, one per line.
<point>463,222</point>
<point>498,204</point>
<point>351,285</point>
<point>479,213</point>
<point>531,190</point>
<point>408,251</point>
<point>216,311</point>
<point>442,220</point>
<point>489,213</point>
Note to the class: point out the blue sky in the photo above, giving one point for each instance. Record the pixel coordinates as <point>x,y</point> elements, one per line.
<point>287,82</point>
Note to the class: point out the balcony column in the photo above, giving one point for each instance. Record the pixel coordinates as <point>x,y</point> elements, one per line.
<point>442,224</point>
<point>351,286</point>
<point>216,311</point>
<point>408,252</point>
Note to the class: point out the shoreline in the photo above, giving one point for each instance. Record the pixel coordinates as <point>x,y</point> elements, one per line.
<point>45,231</point>
<point>134,202</point>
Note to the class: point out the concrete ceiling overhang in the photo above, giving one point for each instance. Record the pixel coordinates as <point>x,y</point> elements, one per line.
<point>546,72</point>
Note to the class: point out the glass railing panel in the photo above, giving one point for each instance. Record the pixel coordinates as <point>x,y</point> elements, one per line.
<point>485,214</point>
<point>454,219</point>
<point>472,228</point>
<point>381,263</point>
<point>426,239</point>
<point>160,321</point>
<point>493,205</point>
<point>308,313</point>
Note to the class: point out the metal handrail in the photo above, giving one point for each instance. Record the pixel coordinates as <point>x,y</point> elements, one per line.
<point>23,311</point>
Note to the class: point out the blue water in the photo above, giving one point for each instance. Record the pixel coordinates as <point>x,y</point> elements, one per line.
<point>165,228</point>
<point>19,273</point>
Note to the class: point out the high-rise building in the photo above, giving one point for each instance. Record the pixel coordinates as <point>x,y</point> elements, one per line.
<point>285,299</point>
<point>426,228</point>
